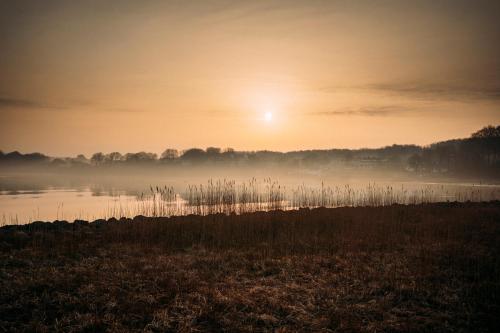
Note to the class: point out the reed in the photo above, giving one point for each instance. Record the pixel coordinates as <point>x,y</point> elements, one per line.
<point>229,197</point>
<point>232,197</point>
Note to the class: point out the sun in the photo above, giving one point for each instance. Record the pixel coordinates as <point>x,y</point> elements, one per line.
<point>268,117</point>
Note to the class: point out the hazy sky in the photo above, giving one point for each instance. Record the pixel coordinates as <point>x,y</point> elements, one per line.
<point>87,76</point>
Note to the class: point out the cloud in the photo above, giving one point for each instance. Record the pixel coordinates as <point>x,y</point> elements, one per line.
<point>9,102</point>
<point>119,109</point>
<point>34,104</point>
<point>439,91</point>
<point>372,111</point>
<point>456,90</point>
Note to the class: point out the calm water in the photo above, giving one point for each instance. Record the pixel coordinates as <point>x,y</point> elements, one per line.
<point>60,204</point>
<point>23,200</point>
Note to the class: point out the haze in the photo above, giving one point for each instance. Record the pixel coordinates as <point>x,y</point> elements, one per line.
<point>87,76</point>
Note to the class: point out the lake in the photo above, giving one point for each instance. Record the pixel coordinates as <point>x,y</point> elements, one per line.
<point>28,198</point>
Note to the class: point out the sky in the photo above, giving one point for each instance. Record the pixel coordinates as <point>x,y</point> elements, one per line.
<point>88,76</point>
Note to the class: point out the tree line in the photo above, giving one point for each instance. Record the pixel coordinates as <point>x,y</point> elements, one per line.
<point>479,154</point>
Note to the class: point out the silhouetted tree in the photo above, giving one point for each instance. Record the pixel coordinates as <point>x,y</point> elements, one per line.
<point>213,151</point>
<point>193,154</point>
<point>81,158</point>
<point>113,157</point>
<point>58,162</point>
<point>228,155</point>
<point>478,155</point>
<point>415,162</point>
<point>140,157</point>
<point>35,157</point>
<point>213,154</point>
<point>170,154</point>
<point>487,132</point>
<point>97,158</point>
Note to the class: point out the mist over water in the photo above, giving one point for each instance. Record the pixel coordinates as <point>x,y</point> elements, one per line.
<point>30,197</point>
<point>197,181</point>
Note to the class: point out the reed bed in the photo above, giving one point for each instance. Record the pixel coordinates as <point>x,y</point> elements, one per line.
<point>232,197</point>
<point>229,197</point>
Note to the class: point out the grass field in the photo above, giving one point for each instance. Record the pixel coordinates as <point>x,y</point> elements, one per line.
<point>399,268</point>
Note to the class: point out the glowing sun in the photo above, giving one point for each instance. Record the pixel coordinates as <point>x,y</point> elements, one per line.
<point>268,117</point>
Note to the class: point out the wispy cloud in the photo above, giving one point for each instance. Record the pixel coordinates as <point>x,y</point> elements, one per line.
<point>432,91</point>
<point>370,111</point>
<point>427,90</point>
<point>34,104</point>
<point>119,109</point>
<point>10,102</point>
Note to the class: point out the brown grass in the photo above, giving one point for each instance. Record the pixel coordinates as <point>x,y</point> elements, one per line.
<point>430,267</point>
<point>228,196</point>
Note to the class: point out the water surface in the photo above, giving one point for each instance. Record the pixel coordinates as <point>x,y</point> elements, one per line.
<point>24,199</point>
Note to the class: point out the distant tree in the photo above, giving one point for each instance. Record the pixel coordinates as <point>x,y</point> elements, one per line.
<point>58,162</point>
<point>348,156</point>
<point>113,157</point>
<point>97,158</point>
<point>415,162</point>
<point>129,157</point>
<point>140,157</point>
<point>14,156</point>
<point>213,151</point>
<point>35,157</point>
<point>487,148</point>
<point>229,152</point>
<point>169,154</point>
<point>487,132</point>
<point>193,154</point>
<point>81,158</point>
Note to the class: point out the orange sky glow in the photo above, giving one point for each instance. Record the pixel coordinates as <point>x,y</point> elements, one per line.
<point>87,76</point>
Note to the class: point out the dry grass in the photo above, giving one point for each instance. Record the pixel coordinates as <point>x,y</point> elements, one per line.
<point>431,267</point>
<point>228,196</point>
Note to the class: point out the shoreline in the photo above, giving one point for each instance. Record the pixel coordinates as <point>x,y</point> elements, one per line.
<point>141,218</point>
